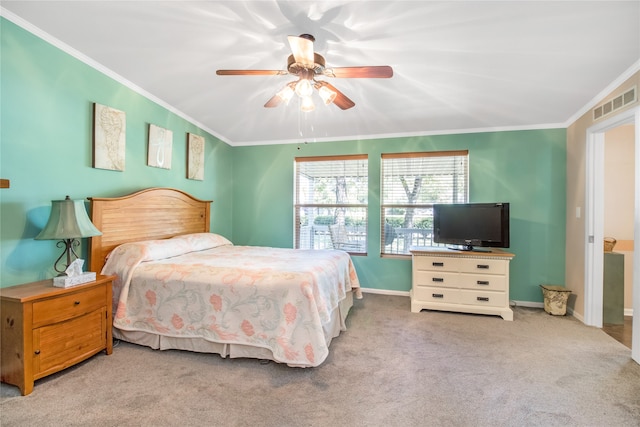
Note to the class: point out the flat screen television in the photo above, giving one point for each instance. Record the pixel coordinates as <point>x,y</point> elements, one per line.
<point>469,226</point>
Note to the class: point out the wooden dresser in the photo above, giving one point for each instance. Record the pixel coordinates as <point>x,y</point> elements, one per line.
<point>46,329</point>
<point>468,282</point>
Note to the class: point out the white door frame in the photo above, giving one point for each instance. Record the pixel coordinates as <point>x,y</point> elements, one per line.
<point>594,217</point>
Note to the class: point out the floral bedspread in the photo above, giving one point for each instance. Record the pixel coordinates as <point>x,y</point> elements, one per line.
<point>201,285</point>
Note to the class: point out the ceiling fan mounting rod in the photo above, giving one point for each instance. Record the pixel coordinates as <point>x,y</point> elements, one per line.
<point>308,37</point>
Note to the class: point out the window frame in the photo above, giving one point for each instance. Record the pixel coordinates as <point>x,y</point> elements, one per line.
<point>297,206</point>
<point>427,206</point>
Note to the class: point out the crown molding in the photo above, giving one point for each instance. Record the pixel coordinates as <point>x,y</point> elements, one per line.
<point>26,25</point>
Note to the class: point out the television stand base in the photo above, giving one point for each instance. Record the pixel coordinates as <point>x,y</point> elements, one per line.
<point>468,248</point>
<point>461,281</point>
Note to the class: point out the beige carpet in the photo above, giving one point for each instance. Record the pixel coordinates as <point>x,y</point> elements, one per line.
<point>390,368</point>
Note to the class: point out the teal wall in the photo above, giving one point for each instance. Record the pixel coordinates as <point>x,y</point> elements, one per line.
<point>46,109</point>
<point>524,168</point>
<point>46,149</point>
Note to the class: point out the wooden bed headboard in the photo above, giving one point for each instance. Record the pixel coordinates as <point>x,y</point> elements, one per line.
<point>154,213</point>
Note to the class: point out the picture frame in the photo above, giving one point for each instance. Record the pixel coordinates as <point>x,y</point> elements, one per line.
<point>109,138</point>
<point>195,157</point>
<point>160,146</point>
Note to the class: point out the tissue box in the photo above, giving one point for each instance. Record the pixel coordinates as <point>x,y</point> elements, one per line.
<point>69,281</point>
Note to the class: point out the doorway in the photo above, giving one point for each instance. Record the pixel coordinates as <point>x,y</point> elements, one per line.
<point>594,232</point>
<point>619,199</point>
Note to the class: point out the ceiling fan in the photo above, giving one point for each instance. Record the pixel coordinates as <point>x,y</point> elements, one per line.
<point>307,65</point>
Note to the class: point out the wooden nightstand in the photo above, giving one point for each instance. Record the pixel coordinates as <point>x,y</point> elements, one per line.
<point>47,329</point>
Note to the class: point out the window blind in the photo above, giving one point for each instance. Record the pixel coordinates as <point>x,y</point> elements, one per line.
<point>331,202</point>
<point>411,184</point>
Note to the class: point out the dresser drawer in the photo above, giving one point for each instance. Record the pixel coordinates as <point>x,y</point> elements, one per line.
<point>435,263</point>
<point>68,306</point>
<point>479,298</point>
<point>433,294</point>
<point>484,282</point>
<point>483,266</point>
<point>436,278</point>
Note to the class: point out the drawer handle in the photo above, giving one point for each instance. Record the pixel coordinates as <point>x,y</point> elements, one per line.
<point>37,352</point>
<point>437,295</point>
<point>437,264</point>
<point>483,266</point>
<point>486,299</point>
<point>437,279</point>
<point>482,282</point>
<point>76,303</point>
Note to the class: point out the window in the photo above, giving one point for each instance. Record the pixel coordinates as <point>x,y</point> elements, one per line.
<point>411,184</point>
<point>331,203</point>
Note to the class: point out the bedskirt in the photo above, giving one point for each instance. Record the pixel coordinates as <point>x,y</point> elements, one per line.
<point>332,329</point>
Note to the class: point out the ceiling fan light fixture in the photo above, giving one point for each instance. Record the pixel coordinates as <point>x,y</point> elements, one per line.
<point>306,65</point>
<point>286,94</point>
<point>304,88</point>
<point>307,104</point>
<point>327,95</point>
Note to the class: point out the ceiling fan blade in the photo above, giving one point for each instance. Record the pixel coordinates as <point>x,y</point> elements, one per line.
<point>250,72</point>
<point>379,72</point>
<point>341,100</point>
<point>274,101</point>
<point>302,49</point>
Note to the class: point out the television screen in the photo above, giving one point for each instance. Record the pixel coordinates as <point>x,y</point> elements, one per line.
<point>472,225</point>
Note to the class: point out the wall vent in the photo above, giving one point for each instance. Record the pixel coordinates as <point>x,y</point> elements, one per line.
<point>629,97</point>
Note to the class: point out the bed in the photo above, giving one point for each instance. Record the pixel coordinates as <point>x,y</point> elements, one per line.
<point>179,286</point>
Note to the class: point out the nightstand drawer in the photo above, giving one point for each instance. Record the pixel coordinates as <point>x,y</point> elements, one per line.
<point>486,282</point>
<point>60,345</point>
<point>430,294</point>
<point>68,306</point>
<point>491,299</point>
<point>436,278</point>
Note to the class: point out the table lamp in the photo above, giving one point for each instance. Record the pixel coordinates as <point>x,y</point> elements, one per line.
<point>68,222</point>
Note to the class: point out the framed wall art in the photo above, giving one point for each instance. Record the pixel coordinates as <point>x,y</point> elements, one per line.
<point>195,157</point>
<point>160,147</point>
<point>109,132</point>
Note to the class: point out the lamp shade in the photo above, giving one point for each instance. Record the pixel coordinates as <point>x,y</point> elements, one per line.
<point>68,220</point>
<point>307,104</point>
<point>327,94</point>
<point>286,94</point>
<point>304,88</point>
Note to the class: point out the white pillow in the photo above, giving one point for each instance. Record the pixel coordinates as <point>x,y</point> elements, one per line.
<point>201,241</point>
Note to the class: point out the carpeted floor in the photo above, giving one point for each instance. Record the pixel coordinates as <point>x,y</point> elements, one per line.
<point>390,368</point>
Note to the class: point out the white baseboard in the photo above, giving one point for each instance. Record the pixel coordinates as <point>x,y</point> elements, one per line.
<point>513,303</point>
<point>385,292</point>
<point>526,304</point>
<point>574,314</point>
<point>541,305</point>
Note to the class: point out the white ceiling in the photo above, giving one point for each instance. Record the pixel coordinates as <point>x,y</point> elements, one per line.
<point>458,66</point>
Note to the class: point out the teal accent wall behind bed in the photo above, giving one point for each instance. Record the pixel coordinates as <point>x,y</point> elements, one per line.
<point>524,168</point>
<point>46,106</point>
<point>46,149</point>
